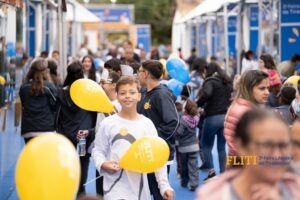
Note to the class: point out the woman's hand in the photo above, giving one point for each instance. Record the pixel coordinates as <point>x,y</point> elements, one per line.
<point>110,166</point>
<point>82,134</point>
<point>264,191</point>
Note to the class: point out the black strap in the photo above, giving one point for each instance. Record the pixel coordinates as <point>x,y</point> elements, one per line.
<point>141,186</point>
<point>114,183</point>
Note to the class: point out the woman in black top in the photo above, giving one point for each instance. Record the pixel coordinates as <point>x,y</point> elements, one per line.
<point>215,99</point>
<point>38,98</point>
<point>74,122</point>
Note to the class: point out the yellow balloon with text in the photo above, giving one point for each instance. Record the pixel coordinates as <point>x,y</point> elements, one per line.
<point>145,155</point>
<point>2,80</point>
<point>48,168</point>
<point>293,79</point>
<point>89,95</point>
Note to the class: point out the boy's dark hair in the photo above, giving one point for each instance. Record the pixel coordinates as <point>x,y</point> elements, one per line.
<point>55,51</point>
<point>44,54</point>
<point>287,94</point>
<point>154,67</point>
<point>128,80</point>
<point>114,64</point>
<point>255,115</point>
<point>213,58</point>
<point>295,58</point>
<point>190,107</point>
<point>135,66</point>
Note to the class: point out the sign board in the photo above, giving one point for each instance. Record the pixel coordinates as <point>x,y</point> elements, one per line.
<point>144,36</point>
<point>253,27</point>
<point>289,28</point>
<point>232,20</point>
<point>31,30</point>
<point>116,14</point>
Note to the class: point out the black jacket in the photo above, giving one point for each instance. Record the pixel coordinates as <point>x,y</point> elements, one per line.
<point>70,119</point>
<point>215,96</point>
<point>38,111</point>
<point>159,106</point>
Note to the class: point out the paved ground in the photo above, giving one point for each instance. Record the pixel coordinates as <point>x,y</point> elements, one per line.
<point>11,145</point>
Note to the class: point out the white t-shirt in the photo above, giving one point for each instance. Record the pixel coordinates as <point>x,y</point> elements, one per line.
<point>249,65</point>
<point>98,77</point>
<point>113,139</point>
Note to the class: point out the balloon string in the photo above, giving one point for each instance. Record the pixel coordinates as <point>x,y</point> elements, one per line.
<point>188,89</point>
<point>115,110</point>
<point>91,181</point>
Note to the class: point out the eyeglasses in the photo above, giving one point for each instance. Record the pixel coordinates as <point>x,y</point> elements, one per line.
<point>269,147</point>
<point>140,70</point>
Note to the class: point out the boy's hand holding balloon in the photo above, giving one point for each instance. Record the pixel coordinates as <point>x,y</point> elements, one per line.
<point>110,166</point>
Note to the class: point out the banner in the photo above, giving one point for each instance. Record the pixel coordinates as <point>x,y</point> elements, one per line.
<point>254,27</point>
<point>289,13</point>
<point>115,14</point>
<point>144,36</point>
<point>232,20</point>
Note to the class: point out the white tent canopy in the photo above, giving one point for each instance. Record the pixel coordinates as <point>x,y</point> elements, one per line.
<point>208,6</point>
<point>81,13</point>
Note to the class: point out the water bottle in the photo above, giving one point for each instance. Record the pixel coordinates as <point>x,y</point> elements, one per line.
<point>81,146</point>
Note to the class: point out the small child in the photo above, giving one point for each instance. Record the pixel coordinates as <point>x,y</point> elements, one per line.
<point>188,145</point>
<point>286,96</point>
<point>114,138</point>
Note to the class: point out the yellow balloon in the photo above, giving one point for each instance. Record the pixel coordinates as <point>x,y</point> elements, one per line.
<point>48,168</point>
<point>2,80</point>
<point>293,79</point>
<point>145,155</point>
<point>89,95</point>
<point>164,64</point>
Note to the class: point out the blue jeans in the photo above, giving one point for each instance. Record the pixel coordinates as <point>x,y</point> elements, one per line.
<point>214,125</point>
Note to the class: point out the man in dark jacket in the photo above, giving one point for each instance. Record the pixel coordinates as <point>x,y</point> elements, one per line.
<point>158,104</point>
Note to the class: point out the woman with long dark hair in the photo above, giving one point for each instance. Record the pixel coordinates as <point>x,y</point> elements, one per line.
<point>215,99</point>
<point>38,98</point>
<point>266,64</point>
<point>74,122</point>
<point>54,76</point>
<point>253,91</point>
<point>89,69</point>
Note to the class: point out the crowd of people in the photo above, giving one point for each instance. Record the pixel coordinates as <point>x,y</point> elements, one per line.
<point>255,114</point>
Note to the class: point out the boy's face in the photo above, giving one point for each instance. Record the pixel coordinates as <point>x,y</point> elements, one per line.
<point>128,95</point>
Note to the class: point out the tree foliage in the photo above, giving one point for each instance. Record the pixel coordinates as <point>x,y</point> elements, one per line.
<point>158,13</point>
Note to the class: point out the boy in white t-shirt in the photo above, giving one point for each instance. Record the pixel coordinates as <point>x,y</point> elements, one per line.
<point>113,139</point>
